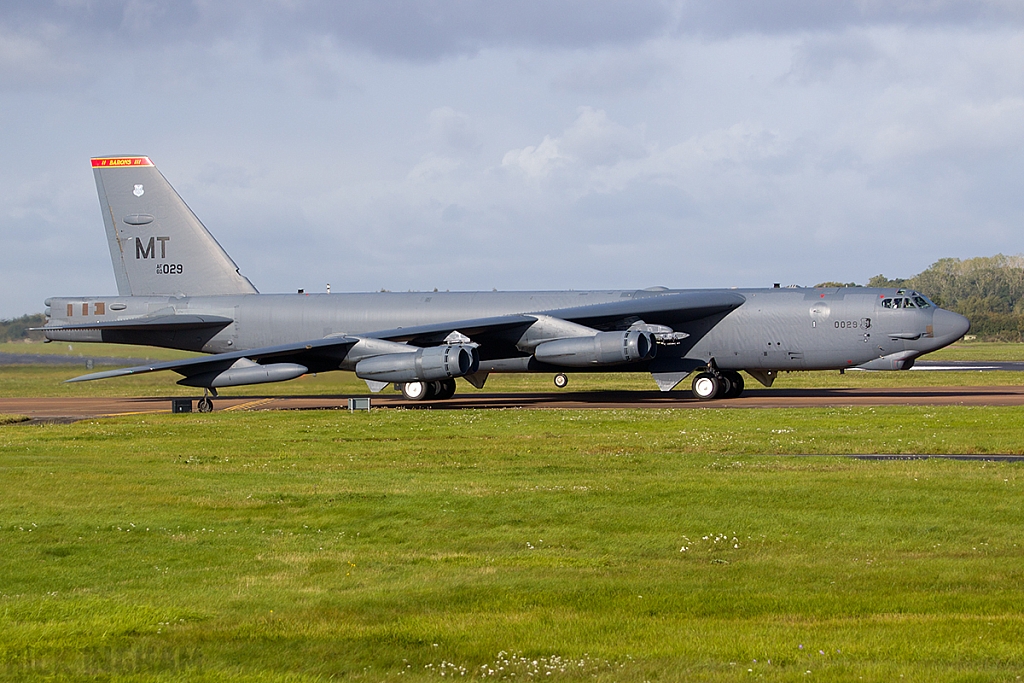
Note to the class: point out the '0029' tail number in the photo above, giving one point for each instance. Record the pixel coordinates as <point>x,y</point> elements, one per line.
<point>169,269</point>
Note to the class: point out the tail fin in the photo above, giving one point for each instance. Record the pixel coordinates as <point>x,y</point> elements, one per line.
<point>157,245</point>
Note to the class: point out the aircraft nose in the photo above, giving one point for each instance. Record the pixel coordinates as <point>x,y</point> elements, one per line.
<point>948,326</point>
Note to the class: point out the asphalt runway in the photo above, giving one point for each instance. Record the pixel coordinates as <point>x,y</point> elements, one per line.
<point>70,409</point>
<point>967,366</point>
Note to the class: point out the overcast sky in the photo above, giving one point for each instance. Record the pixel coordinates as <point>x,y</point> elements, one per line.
<point>548,144</point>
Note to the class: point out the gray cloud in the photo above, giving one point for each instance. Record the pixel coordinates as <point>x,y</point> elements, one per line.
<point>732,17</point>
<point>432,29</point>
<point>623,71</point>
<point>418,30</point>
<point>468,145</point>
<point>818,56</point>
<point>453,132</point>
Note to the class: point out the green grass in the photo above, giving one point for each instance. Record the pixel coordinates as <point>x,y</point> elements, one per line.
<point>75,351</point>
<point>619,545</point>
<point>49,381</point>
<point>979,351</point>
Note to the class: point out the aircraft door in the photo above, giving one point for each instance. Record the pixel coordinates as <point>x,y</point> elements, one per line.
<point>781,343</point>
<point>890,313</point>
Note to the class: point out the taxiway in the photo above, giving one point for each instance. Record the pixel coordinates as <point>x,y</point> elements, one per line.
<point>66,409</point>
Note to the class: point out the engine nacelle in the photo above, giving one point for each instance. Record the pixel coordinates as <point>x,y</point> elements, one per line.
<point>603,348</point>
<point>245,371</point>
<point>423,365</point>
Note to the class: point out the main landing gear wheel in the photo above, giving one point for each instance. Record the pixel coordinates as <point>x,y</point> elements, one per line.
<point>444,389</point>
<point>204,405</point>
<point>418,391</point>
<point>561,380</point>
<point>705,386</point>
<point>428,391</point>
<point>735,380</point>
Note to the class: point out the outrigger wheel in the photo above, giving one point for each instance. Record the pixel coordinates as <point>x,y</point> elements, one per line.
<point>561,380</point>
<point>205,404</point>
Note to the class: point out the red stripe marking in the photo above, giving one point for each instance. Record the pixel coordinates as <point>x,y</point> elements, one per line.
<point>120,162</point>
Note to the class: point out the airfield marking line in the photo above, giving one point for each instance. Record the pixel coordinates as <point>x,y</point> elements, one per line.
<point>249,405</point>
<point>134,412</point>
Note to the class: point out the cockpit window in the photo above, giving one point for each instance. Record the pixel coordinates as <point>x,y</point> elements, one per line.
<point>901,302</point>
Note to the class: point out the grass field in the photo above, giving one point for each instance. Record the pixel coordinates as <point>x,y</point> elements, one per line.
<point>74,352</point>
<point>652,545</point>
<point>424,545</point>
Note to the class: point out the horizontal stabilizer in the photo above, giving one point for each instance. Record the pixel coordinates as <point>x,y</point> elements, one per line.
<point>163,322</point>
<point>222,361</point>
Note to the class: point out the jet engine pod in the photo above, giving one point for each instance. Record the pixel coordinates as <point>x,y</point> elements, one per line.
<point>423,365</point>
<point>245,371</point>
<point>603,348</point>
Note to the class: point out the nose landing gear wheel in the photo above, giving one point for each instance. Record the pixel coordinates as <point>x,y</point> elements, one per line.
<point>561,380</point>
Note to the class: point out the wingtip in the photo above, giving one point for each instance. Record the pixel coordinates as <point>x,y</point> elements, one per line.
<point>101,375</point>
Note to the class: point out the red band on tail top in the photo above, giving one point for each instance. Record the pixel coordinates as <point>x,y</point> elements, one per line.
<point>119,162</point>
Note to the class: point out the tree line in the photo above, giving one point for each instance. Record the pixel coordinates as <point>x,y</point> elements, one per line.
<point>17,329</point>
<point>989,290</point>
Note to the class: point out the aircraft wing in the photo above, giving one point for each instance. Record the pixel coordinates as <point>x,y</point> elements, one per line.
<point>325,354</point>
<point>310,353</point>
<point>663,309</point>
<point>430,335</point>
<point>314,354</point>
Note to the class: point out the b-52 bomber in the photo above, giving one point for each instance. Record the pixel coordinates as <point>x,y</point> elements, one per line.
<point>178,288</point>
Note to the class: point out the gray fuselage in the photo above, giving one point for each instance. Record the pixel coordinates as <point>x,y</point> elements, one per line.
<point>774,329</point>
